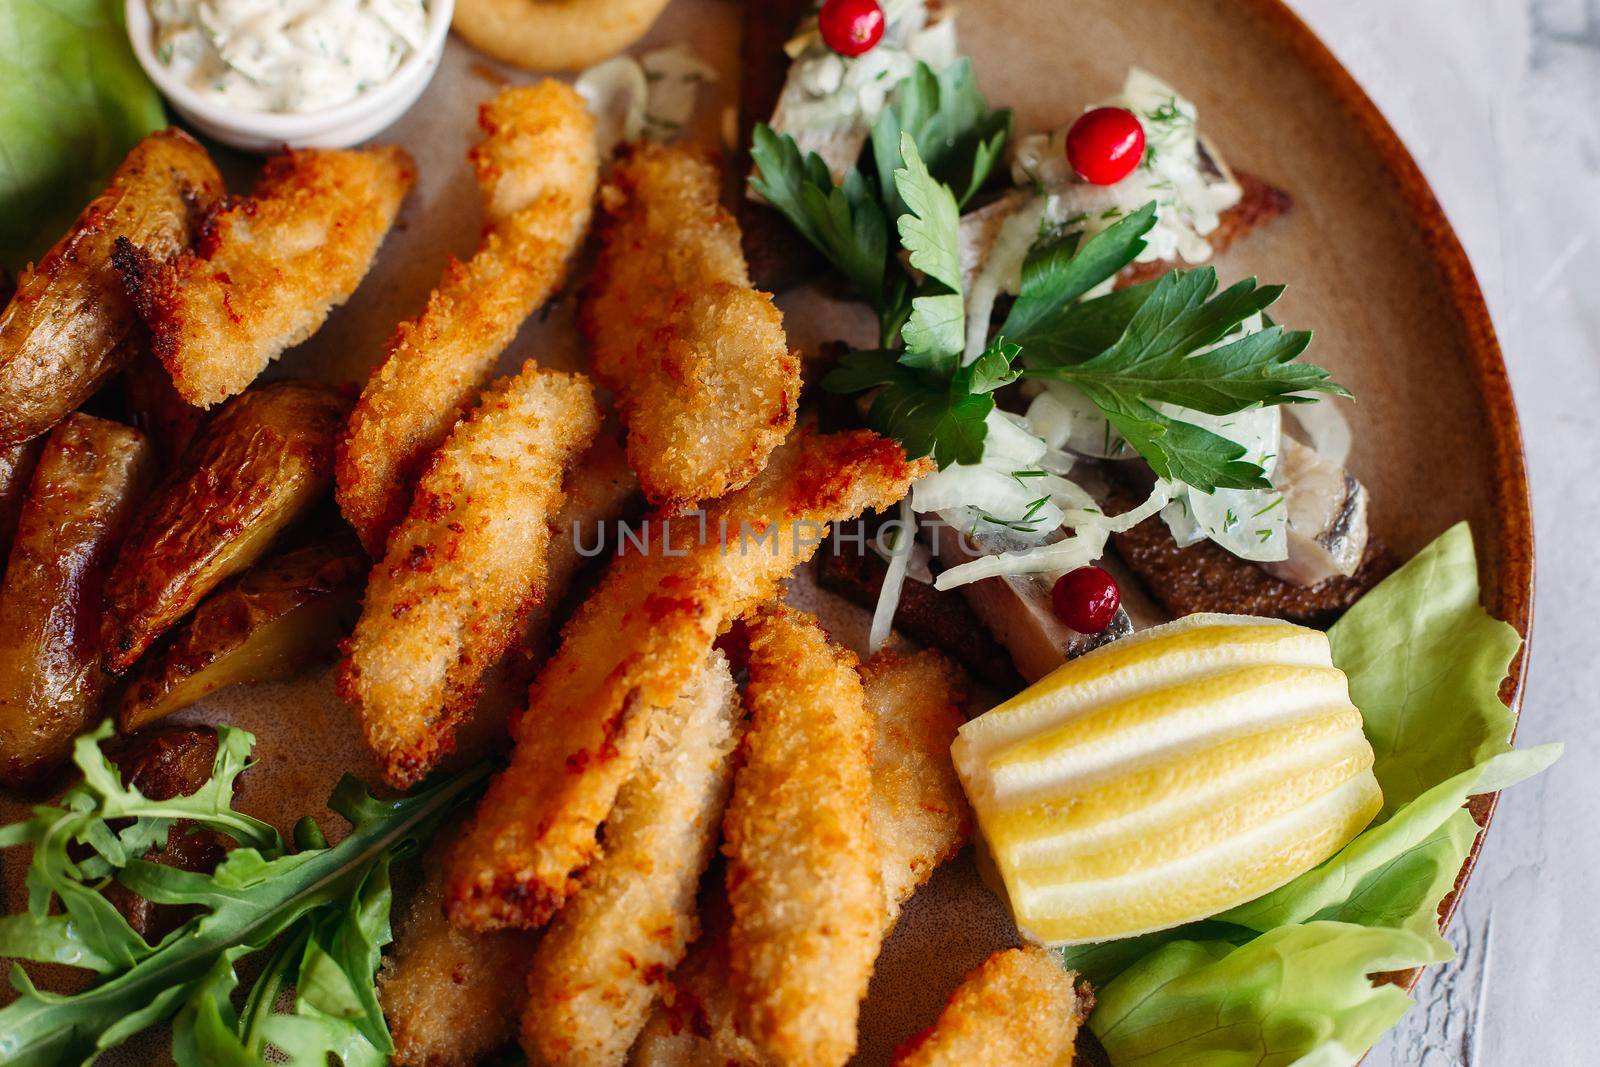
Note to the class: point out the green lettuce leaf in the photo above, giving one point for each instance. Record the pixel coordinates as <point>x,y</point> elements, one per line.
<point>1270,1002</point>
<point>75,101</point>
<point>1425,663</point>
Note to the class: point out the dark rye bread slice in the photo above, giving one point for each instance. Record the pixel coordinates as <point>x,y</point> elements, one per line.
<point>939,620</point>
<point>1207,577</point>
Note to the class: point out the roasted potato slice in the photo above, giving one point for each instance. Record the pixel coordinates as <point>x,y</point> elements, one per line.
<point>16,471</point>
<point>91,476</point>
<point>276,619</point>
<point>261,463</point>
<point>61,332</point>
<point>154,405</point>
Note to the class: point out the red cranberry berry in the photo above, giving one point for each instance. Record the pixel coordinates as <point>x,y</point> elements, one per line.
<point>1086,599</point>
<point>851,27</point>
<point>1105,145</point>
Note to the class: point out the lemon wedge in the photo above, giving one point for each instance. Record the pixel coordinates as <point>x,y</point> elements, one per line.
<point>1168,776</point>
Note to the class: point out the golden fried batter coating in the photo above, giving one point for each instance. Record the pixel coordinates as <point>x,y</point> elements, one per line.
<point>61,332</point>
<point>804,876</point>
<point>600,966</point>
<point>919,812</point>
<point>703,374</point>
<point>267,268</point>
<point>919,819</point>
<point>451,997</point>
<point>632,648</point>
<point>464,567</point>
<point>536,168</point>
<point>1018,1009</point>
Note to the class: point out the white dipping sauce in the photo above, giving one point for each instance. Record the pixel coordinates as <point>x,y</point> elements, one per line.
<point>286,55</point>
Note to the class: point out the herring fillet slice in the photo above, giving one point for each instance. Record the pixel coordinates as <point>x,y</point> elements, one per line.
<point>1168,777</point>
<point>599,967</point>
<point>536,170</point>
<point>464,567</point>
<point>631,648</point>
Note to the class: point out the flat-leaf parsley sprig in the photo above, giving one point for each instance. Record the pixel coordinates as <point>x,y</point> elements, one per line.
<point>330,906</point>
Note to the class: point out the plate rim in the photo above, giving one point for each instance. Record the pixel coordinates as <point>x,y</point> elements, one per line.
<point>1511,598</point>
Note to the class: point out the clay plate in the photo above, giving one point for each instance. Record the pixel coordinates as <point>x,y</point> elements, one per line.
<point>1372,266</point>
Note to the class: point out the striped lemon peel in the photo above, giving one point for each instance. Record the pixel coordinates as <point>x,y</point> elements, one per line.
<point>1169,776</point>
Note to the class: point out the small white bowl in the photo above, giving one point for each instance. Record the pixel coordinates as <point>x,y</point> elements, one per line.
<point>338,126</point>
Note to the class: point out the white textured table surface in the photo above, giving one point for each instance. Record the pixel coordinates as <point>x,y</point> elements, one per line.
<point>1499,100</point>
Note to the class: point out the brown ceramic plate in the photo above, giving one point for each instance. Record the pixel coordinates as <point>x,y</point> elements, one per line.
<point>1370,260</point>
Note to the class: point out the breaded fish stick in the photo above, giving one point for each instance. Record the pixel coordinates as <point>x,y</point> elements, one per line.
<point>600,966</point>
<point>632,648</point>
<point>268,268</point>
<point>451,997</point>
<point>703,374</point>
<point>919,812</point>
<point>804,878</point>
<point>1018,1009</point>
<point>464,567</point>
<point>537,169</point>
<point>61,332</point>
<point>919,819</point>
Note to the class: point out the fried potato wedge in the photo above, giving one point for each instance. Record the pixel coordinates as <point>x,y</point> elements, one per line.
<point>633,648</point>
<point>600,966</point>
<point>569,35</point>
<point>537,169</point>
<point>704,377</point>
<point>464,568</point>
<point>804,877</point>
<point>267,268</point>
<point>16,471</point>
<point>154,406</point>
<point>451,997</point>
<point>91,477</point>
<point>272,622</point>
<point>258,465</point>
<point>919,819</point>
<point>1018,1009</point>
<point>61,332</point>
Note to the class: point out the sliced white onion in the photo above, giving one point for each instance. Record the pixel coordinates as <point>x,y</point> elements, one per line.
<point>1327,428</point>
<point>616,92</point>
<point>1001,272</point>
<point>1050,419</point>
<point>674,76</point>
<point>893,580</point>
<point>1010,442</point>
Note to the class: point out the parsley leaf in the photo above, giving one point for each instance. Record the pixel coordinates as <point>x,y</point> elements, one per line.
<point>931,414</point>
<point>1162,357</point>
<point>330,903</point>
<point>936,332</point>
<point>1057,272</point>
<point>844,222</point>
<point>1083,330</point>
<point>951,125</point>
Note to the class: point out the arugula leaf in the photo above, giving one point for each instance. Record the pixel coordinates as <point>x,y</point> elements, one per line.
<point>1057,272</point>
<point>332,900</point>
<point>951,125</point>
<point>75,102</point>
